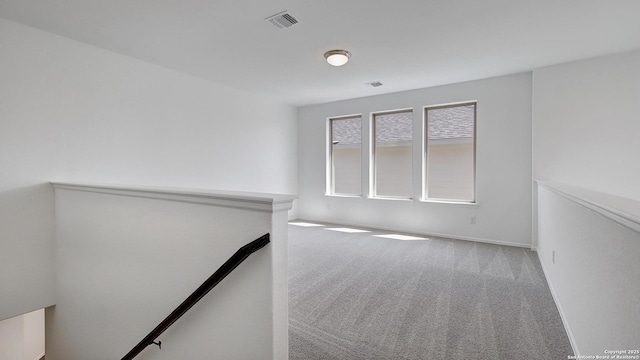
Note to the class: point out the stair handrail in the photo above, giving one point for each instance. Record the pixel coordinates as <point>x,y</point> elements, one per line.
<point>222,272</point>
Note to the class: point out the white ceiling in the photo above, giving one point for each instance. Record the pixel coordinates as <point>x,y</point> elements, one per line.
<point>405,44</point>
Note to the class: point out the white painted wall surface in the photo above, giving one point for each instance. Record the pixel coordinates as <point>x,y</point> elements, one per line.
<point>70,111</point>
<point>125,262</point>
<point>12,338</point>
<point>585,124</point>
<point>504,186</point>
<point>34,339</point>
<point>585,134</point>
<point>22,337</point>
<point>595,275</point>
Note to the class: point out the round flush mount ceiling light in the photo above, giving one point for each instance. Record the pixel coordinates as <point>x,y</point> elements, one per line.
<point>337,57</point>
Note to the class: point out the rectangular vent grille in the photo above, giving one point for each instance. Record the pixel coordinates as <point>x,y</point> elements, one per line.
<point>282,20</point>
<point>375,84</point>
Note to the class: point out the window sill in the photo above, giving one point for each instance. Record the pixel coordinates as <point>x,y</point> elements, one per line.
<point>472,204</point>
<point>390,198</point>
<point>344,196</point>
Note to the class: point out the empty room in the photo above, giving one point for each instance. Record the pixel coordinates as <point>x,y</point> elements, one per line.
<point>319,179</point>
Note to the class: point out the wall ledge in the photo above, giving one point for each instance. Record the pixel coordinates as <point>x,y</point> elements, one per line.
<point>624,211</point>
<point>234,199</point>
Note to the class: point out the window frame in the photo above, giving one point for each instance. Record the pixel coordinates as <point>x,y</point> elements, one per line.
<point>425,146</point>
<point>373,187</point>
<point>330,175</point>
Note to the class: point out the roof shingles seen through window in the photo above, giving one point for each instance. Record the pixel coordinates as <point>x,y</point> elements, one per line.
<point>346,131</point>
<point>444,123</point>
<point>394,127</point>
<point>451,122</point>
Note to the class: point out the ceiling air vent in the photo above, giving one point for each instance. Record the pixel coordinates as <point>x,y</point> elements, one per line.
<point>375,84</point>
<point>282,20</point>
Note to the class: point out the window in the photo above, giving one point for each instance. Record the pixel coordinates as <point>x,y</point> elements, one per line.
<point>450,152</point>
<point>345,155</point>
<point>392,157</point>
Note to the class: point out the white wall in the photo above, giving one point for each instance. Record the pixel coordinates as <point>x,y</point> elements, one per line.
<point>585,134</point>
<point>503,164</point>
<point>70,111</point>
<point>585,124</point>
<point>126,259</point>
<point>594,276</point>
<point>22,336</point>
<point>11,338</point>
<point>34,334</point>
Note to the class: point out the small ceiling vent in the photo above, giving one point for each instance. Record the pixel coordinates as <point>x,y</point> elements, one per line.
<point>375,84</point>
<point>282,20</point>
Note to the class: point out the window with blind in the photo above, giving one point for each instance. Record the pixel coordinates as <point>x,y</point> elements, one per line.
<point>392,154</point>
<point>450,153</point>
<point>345,155</point>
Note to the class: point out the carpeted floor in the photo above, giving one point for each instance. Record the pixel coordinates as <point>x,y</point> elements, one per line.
<point>355,296</point>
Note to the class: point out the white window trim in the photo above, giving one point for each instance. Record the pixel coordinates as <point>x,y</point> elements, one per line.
<point>372,158</point>
<point>345,196</point>
<point>449,202</point>
<point>425,139</point>
<point>329,176</point>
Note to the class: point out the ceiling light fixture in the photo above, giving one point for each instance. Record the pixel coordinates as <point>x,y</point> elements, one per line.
<point>337,57</point>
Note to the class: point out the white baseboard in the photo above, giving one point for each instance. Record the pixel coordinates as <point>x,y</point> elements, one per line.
<point>565,322</point>
<point>39,356</point>
<point>404,231</point>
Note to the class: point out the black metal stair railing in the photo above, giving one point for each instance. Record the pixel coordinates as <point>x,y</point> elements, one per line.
<point>209,284</point>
